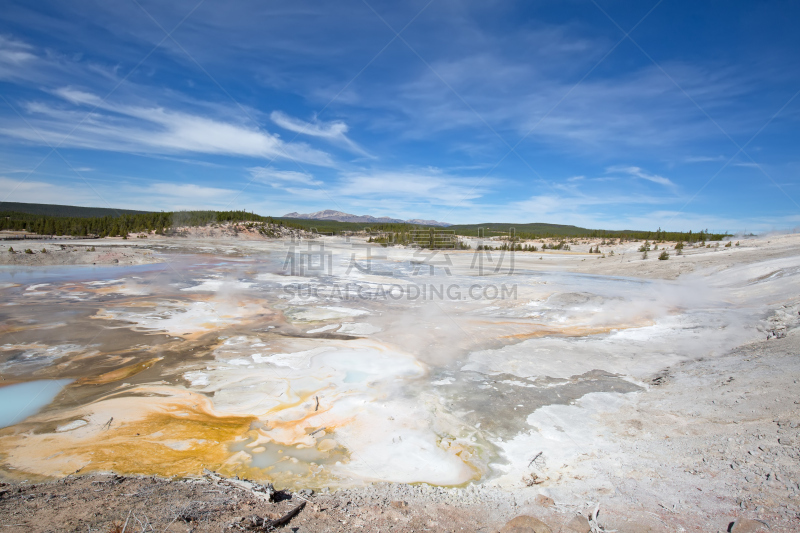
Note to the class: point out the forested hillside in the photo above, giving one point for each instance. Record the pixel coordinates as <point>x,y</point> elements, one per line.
<point>45,219</point>
<point>120,225</point>
<point>543,231</point>
<point>75,211</point>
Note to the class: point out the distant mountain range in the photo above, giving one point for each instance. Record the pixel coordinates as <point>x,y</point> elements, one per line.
<point>338,216</point>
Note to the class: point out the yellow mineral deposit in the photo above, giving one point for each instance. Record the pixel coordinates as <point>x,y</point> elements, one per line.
<point>118,374</point>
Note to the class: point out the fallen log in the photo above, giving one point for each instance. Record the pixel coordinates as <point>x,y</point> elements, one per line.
<point>269,525</point>
<point>264,492</point>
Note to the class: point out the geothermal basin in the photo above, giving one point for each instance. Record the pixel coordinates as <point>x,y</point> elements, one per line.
<point>332,363</point>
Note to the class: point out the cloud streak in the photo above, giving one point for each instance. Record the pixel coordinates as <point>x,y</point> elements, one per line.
<point>282,178</point>
<point>128,128</point>
<point>334,132</point>
<point>428,186</point>
<point>637,172</point>
<point>156,195</point>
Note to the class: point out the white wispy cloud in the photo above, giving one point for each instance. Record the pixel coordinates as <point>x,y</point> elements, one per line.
<point>186,191</point>
<point>14,52</point>
<point>282,178</point>
<point>20,190</point>
<point>334,132</point>
<point>23,63</point>
<point>426,186</point>
<point>637,172</point>
<point>406,193</point>
<point>130,128</point>
<point>131,121</point>
<point>704,159</point>
<point>156,195</point>
<point>637,109</point>
<point>614,210</point>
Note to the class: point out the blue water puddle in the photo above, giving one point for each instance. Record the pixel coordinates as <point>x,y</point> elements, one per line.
<point>45,274</point>
<point>21,400</point>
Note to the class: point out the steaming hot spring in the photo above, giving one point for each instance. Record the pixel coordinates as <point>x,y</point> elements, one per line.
<point>334,365</point>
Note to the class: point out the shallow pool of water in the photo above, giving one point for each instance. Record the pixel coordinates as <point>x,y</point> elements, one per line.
<point>21,400</point>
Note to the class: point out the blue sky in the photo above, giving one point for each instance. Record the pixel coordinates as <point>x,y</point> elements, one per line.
<point>612,114</point>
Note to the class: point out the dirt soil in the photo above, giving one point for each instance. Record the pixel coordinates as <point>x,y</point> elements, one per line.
<point>102,502</point>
